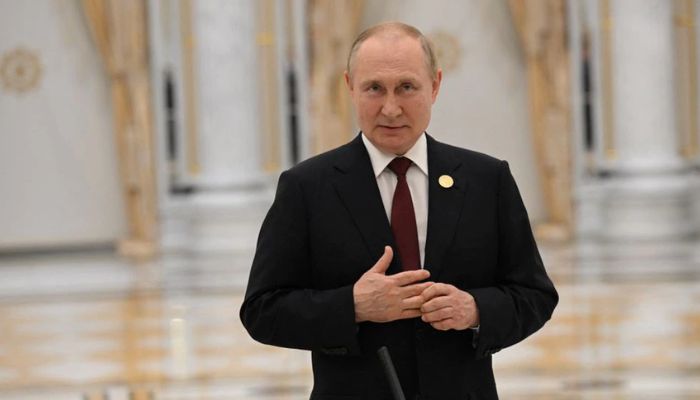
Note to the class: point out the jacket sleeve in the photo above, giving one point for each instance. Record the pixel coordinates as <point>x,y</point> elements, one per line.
<point>281,306</point>
<point>524,297</point>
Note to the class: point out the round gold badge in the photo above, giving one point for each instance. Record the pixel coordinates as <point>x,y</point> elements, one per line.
<point>446,181</point>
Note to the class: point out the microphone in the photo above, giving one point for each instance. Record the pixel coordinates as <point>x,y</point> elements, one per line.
<point>390,372</point>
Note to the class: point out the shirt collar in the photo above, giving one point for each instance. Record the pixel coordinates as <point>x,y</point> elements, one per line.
<point>418,154</point>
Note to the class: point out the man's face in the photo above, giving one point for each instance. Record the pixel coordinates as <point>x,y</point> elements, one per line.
<point>393,91</point>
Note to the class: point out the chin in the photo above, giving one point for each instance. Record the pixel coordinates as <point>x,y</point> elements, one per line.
<point>395,147</point>
<point>391,141</point>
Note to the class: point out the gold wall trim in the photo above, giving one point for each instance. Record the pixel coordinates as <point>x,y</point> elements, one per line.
<point>606,26</point>
<point>189,97</point>
<point>119,28</point>
<point>542,29</point>
<point>270,97</point>
<point>686,78</point>
<point>691,32</point>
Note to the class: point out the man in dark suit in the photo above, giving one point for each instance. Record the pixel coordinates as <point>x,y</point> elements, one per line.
<point>397,240</point>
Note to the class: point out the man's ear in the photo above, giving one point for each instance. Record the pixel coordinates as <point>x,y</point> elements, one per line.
<point>348,84</point>
<point>436,84</point>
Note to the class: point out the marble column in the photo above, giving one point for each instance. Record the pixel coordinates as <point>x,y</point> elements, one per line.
<point>227,93</point>
<point>218,77</point>
<point>648,190</point>
<point>643,100</point>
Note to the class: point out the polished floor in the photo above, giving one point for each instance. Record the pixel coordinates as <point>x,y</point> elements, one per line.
<point>89,326</point>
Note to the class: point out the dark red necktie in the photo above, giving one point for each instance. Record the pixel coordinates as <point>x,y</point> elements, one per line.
<point>403,218</point>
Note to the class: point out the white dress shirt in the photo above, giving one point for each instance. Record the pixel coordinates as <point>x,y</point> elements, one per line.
<point>416,176</point>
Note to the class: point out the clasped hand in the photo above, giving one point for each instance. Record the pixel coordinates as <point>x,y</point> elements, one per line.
<point>384,298</point>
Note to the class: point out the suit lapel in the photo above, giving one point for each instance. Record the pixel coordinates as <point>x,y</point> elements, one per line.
<point>444,204</point>
<point>357,188</point>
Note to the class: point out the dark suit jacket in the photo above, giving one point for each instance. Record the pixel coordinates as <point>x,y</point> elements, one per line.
<point>327,226</point>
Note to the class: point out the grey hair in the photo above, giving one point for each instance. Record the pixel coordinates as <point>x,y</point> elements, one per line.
<point>411,31</point>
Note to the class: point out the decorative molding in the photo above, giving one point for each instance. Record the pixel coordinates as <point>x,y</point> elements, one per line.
<point>333,26</point>
<point>694,145</point>
<point>542,30</point>
<point>20,70</point>
<point>606,26</point>
<point>686,77</point>
<point>127,65</point>
<point>188,43</point>
<point>270,123</point>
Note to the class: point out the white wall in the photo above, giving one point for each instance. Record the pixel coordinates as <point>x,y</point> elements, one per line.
<point>58,171</point>
<point>483,102</point>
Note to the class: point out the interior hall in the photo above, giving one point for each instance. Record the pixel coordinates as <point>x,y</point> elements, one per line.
<point>141,142</point>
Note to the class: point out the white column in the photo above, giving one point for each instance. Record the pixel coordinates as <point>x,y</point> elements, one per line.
<point>231,190</point>
<point>650,191</point>
<point>643,86</point>
<point>227,101</point>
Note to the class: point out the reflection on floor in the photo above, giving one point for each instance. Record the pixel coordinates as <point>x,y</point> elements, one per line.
<point>91,326</point>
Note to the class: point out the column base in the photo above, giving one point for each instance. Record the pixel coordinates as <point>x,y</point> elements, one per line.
<point>211,222</point>
<point>639,207</point>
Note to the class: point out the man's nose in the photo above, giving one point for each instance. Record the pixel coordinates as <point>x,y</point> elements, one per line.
<point>391,107</point>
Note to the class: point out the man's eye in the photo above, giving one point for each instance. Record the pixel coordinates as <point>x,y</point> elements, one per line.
<point>407,86</point>
<point>374,88</point>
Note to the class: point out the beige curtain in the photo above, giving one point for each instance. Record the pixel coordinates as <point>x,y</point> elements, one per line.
<point>334,24</point>
<point>119,30</point>
<point>541,26</point>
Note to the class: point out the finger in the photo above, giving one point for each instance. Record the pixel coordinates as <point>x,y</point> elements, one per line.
<point>436,303</point>
<point>438,289</point>
<point>444,325</point>
<point>408,277</point>
<point>384,261</point>
<point>415,289</point>
<point>414,302</point>
<point>410,313</point>
<point>439,315</point>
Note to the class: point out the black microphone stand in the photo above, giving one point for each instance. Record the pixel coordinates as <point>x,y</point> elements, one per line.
<point>390,372</point>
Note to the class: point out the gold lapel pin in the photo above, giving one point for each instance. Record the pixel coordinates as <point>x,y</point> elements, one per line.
<point>446,181</point>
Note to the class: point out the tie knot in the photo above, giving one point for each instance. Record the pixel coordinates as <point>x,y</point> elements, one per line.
<point>400,165</point>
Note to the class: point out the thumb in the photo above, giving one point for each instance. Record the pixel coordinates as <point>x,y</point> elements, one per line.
<point>384,261</point>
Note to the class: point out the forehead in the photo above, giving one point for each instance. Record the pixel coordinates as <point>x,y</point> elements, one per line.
<point>390,56</point>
